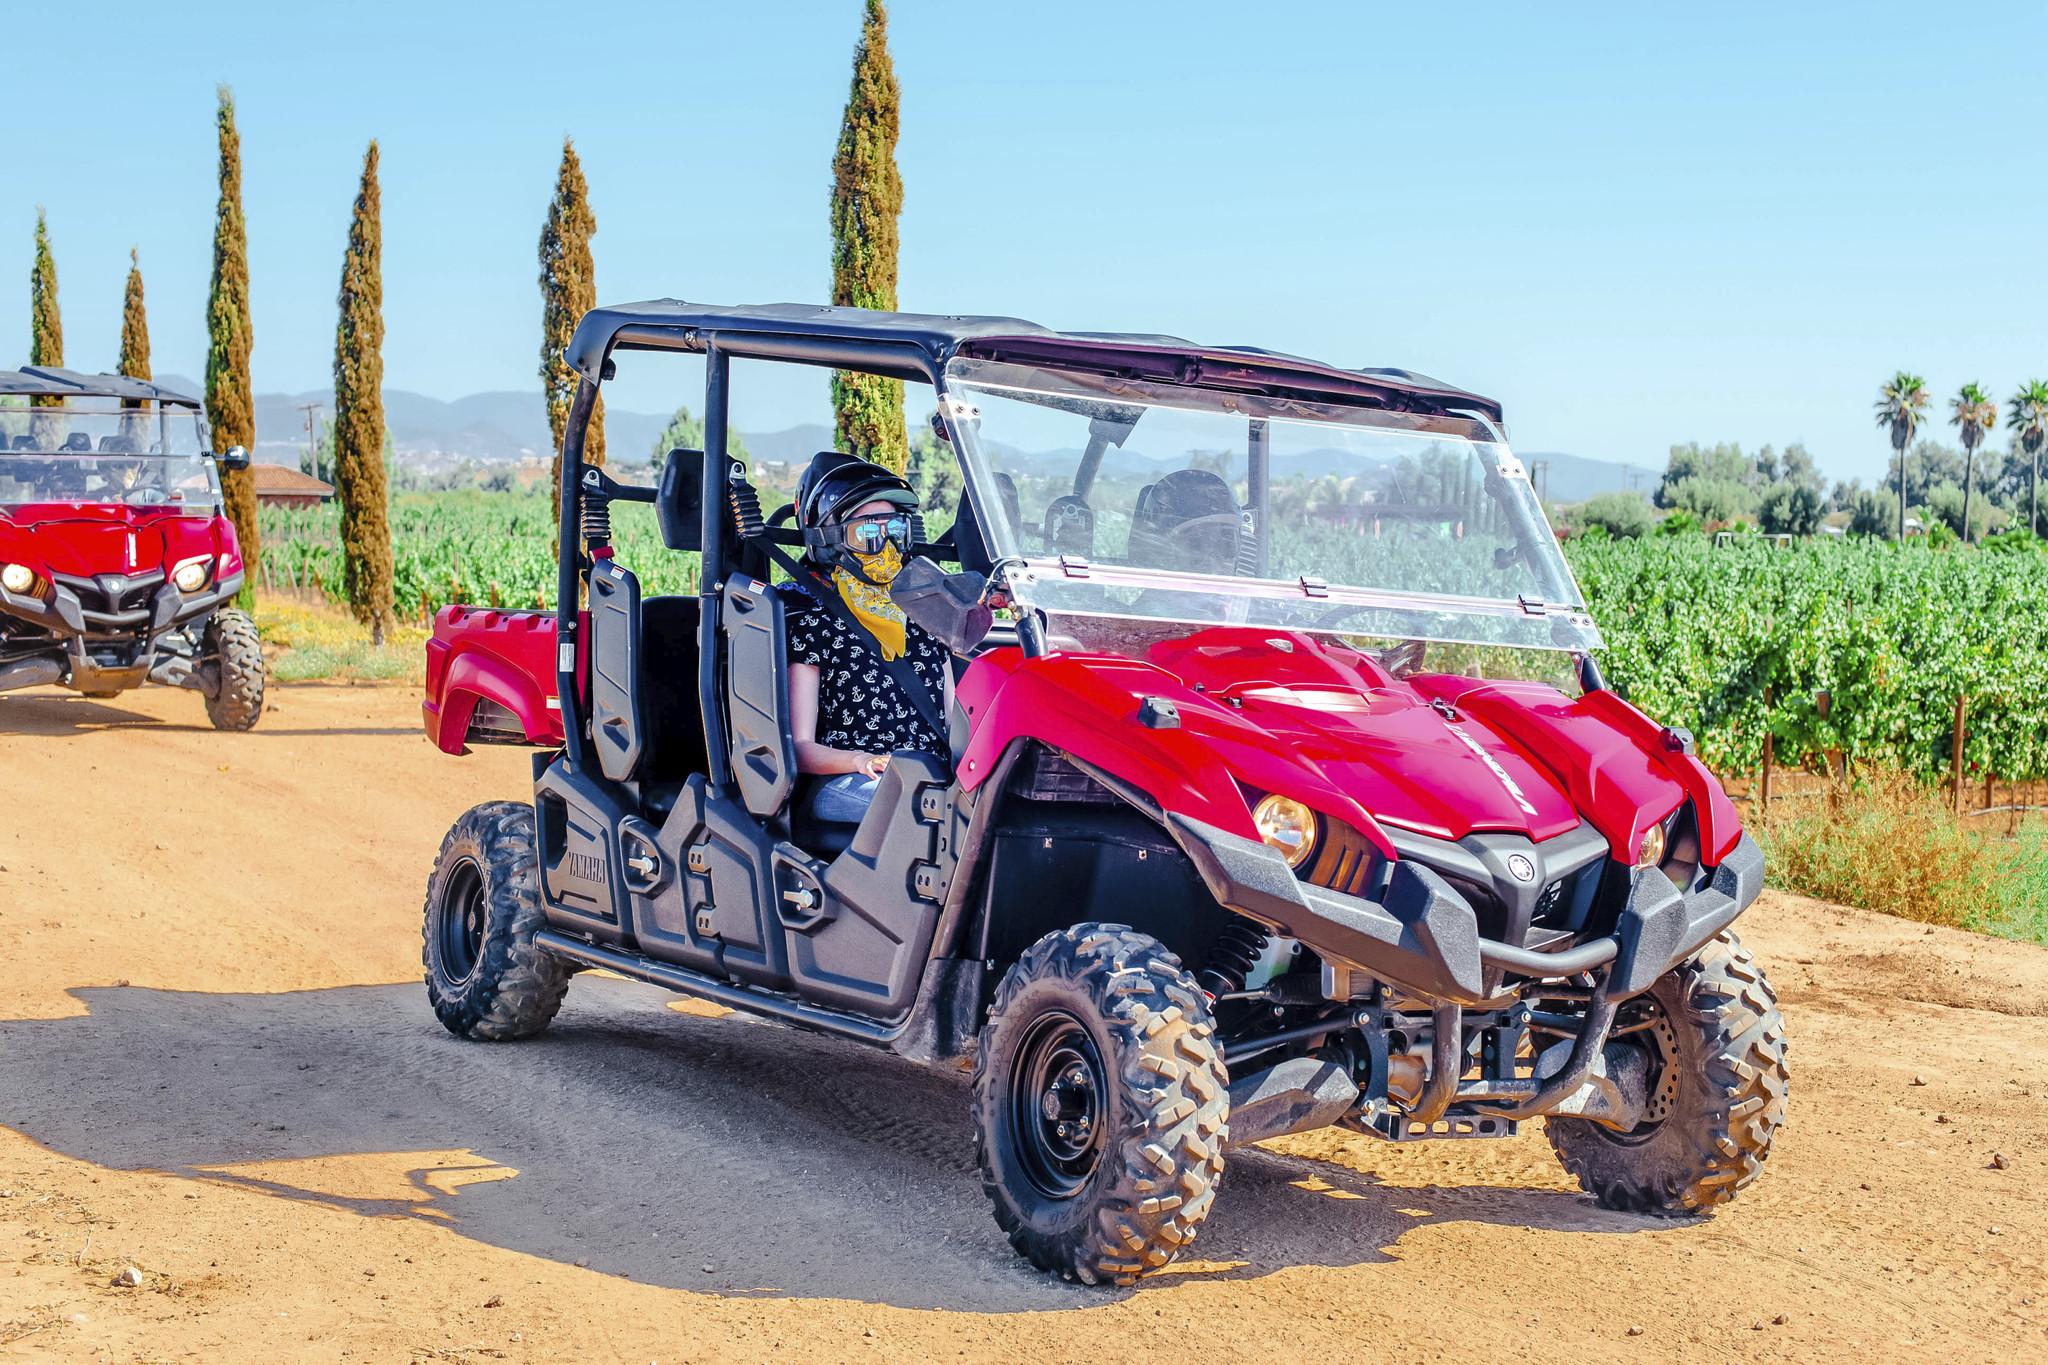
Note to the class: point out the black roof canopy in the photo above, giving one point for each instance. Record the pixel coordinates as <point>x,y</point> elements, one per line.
<point>47,381</point>
<point>917,346</point>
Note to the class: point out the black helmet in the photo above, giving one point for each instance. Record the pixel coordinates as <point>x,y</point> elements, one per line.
<point>834,483</point>
<point>831,487</point>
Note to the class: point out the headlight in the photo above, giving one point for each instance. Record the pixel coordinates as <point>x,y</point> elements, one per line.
<point>1286,825</point>
<point>191,575</point>
<point>1651,852</point>
<point>17,577</point>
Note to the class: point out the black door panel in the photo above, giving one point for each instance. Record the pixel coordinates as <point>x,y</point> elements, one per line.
<point>617,728</point>
<point>763,755</point>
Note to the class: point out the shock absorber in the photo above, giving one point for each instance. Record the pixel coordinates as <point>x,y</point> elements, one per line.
<point>1231,958</point>
<point>595,518</point>
<point>743,502</point>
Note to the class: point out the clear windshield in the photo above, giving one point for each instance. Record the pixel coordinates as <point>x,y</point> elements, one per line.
<point>87,426</point>
<point>1148,503</point>
<point>181,483</point>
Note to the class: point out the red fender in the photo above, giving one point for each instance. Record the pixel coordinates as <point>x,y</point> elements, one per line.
<point>507,657</point>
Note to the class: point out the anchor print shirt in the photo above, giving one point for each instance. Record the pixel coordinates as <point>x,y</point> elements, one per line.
<point>860,706</point>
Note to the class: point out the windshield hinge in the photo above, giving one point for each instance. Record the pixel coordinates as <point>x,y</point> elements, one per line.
<point>1533,606</point>
<point>1073,566</point>
<point>1314,587</point>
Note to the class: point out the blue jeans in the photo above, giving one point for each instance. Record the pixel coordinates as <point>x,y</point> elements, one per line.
<point>843,799</point>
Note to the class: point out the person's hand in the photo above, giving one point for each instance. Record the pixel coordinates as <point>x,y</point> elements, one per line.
<point>871,765</point>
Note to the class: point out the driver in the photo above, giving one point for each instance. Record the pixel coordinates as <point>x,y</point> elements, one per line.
<point>851,652</point>
<point>132,482</point>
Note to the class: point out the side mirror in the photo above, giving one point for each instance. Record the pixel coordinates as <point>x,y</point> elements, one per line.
<point>679,500</point>
<point>950,606</point>
<point>234,457</point>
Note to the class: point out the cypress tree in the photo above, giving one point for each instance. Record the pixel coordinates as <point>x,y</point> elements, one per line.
<point>359,475</point>
<point>134,323</point>
<point>568,290</point>
<point>867,196</point>
<point>230,400</point>
<point>46,324</point>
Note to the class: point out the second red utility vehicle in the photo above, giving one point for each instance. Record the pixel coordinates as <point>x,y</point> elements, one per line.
<point>1243,830</point>
<point>117,564</point>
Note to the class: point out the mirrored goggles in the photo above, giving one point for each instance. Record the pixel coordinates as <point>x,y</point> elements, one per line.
<point>867,535</point>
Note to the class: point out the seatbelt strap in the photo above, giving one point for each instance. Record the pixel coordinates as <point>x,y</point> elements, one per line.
<point>899,670</point>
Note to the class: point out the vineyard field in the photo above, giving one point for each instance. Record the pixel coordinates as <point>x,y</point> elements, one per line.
<point>1853,648</point>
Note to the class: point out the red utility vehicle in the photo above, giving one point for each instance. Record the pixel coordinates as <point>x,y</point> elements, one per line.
<point>1244,831</point>
<point>116,563</point>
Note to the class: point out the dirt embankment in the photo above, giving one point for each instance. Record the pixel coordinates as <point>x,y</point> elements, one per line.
<point>216,1067</point>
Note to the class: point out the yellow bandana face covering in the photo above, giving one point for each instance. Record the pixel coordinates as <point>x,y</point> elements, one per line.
<point>871,605</point>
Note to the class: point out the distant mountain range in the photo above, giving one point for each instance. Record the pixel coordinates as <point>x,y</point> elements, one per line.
<point>509,426</point>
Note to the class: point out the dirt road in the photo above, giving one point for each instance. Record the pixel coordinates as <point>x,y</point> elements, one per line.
<point>217,1067</point>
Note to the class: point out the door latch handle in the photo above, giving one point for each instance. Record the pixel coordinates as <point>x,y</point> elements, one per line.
<point>642,863</point>
<point>801,898</point>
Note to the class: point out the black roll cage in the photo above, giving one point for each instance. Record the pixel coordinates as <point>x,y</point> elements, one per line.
<point>906,346</point>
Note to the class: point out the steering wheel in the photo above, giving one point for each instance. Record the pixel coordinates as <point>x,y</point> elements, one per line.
<point>1181,534</point>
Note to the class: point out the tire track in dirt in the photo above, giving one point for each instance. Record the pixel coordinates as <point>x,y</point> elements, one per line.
<point>395,1193</point>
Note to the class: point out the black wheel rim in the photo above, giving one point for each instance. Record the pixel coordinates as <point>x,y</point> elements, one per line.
<point>1058,1105</point>
<point>1658,1037</point>
<point>463,912</point>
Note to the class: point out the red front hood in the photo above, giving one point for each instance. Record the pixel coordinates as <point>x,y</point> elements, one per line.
<point>1348,727</point>
<point>95,538</point>
<point>1305,718</point>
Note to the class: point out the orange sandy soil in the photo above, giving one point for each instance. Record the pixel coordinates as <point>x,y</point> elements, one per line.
<point>212,1070</point>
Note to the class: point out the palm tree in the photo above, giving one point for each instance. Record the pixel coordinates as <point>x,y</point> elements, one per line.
<point>1974,412</point>
<point>1899,405</point>
<point>2028,415</point>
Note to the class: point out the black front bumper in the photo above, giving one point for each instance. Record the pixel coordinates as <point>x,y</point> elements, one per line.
<point>1424,937</point>
<point>104,630</point>
<point>115,605</point>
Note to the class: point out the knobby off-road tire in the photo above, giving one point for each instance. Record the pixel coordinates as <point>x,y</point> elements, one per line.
<point>1103,1000</point>
<point>486,977</point>
<point>1723,1084</point>
<point>237,702</point>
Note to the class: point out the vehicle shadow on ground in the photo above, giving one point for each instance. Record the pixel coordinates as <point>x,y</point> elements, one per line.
<point>47,713</point>
<point>710,1154</point>
<point>50,715</point>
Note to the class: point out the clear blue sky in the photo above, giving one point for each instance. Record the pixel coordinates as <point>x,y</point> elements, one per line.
<point>1633,224</point>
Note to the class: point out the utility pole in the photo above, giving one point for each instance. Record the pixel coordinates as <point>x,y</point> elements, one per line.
<point>312,411</point>
<point>1540,472</point>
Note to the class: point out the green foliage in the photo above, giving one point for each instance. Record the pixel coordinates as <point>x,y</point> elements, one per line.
<point>1889,636</point>
<point>1619,515</point>
<point>1973,412</point>
<point>2027,419</point>
<point>685,431</point>
<point>1901,402</point>
<point>487,548</point>
<point>867,197</point>
<point>1944,509</point>
<point>46,322</point>
<point>1869,513</point>
<point>1680,523</point>
<point>1719,464</point>
<point>1712,499</point>
<point>134,360</point>
<point>2015,540</point>
<point>934,474</point>
<point>1888,842</point>
<point>359,474</point>
<point>568,290</point>
<point>1790,509</point>
<point>230,395</point>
